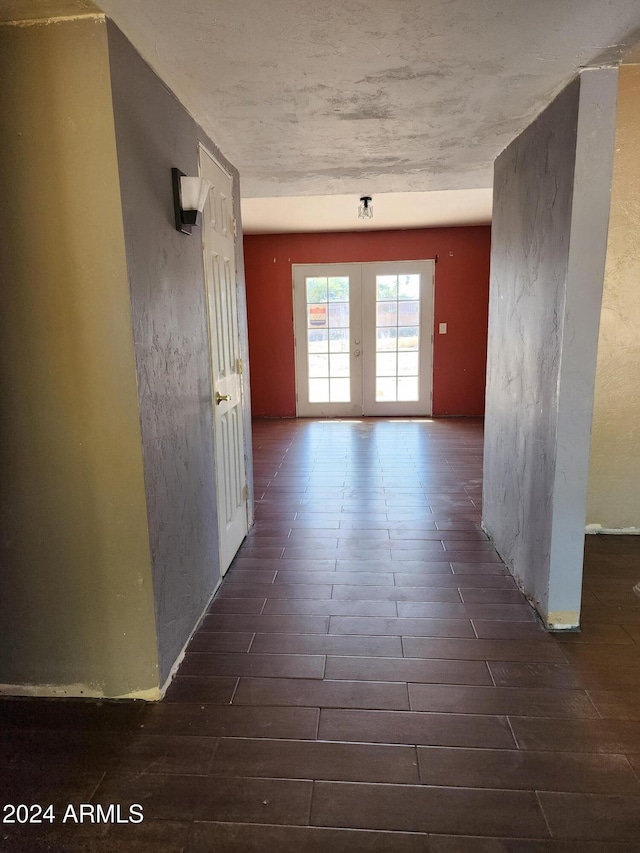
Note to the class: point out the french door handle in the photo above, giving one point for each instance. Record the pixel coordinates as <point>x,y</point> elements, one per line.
<point>220,397</point>
<point>357,352</point>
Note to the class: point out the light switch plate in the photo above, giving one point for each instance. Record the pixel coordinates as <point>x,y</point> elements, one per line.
<point>443,328</point>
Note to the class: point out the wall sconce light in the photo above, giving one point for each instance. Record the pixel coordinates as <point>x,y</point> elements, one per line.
<point>189,198</point>
<point>365,210</point>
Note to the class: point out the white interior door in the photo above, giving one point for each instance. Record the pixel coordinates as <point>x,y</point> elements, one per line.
<point>226,365</point>
<point>364,338</point>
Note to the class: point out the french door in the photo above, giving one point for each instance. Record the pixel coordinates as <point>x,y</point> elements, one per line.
<point>226,364</point>
<point>364,338</point>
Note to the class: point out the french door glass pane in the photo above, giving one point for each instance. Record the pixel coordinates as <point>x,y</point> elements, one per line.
<point>339,315</point>
<point>387,314</point>
<point>386,287</point>
<point>318,364</point>
<point>386,391</point>
<point>407,388</point>
<point>386,364</point>
<point>339,340</point>
<point>339,365</point>
<point>318,390</point>
<point>409,287</point>
<point>340,390</point>
<point>318,340</point>
<point>407,364</point>
<point>316,290</point>
<point>338,288</point>
<point>408,313</point>
<point>408,337</point>
<point>317,316</point>
<point>328,332</point>
<point>387,340</point>
<point>397,337</point>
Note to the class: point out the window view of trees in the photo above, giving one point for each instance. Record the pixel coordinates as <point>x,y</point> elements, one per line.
<point>332,289</point>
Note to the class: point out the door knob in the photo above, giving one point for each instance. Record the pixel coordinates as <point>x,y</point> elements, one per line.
<point>357,352</point>
<point>220,397</point>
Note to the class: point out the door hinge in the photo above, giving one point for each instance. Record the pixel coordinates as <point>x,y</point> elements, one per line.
<point>234,226</point>
<point>239,367</point>
<point>245,492</point>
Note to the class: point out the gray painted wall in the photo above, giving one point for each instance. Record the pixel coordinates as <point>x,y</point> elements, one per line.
<point>551,207</point>
<point>153,133</point>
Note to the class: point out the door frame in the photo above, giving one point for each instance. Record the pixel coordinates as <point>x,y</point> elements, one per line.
<point>357,407</point>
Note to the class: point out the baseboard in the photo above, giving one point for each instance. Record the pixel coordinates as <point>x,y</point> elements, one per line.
<point>560,621</point>
<point>612,531</point>
<point>56,19</point>
<point>73,691</point>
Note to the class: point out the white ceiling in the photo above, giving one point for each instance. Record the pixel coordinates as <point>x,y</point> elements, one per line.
<point>347,97</point>
<point>390,210</point>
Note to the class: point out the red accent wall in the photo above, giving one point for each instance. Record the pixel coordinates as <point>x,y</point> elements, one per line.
<point>461,301</point>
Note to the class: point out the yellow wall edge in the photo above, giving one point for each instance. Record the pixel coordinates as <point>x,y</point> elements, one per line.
<point>74,691</point>
<point>36,22</point>
<point>563,620</point>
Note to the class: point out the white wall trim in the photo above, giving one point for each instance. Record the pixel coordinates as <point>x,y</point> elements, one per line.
<point>73,691</point>
<point>612,531</point>
<point>38,22</point>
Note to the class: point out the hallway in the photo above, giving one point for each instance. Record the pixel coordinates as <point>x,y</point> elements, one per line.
<point>368,664</point>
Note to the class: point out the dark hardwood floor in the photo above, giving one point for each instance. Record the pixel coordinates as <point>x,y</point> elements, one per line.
<point>368,679</point>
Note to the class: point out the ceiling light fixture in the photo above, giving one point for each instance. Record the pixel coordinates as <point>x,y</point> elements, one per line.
<point>365,210</point>
<point>189,199</point>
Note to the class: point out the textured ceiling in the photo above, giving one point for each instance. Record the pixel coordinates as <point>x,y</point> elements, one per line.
<point>315,97</point>
<point>344,96</point>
